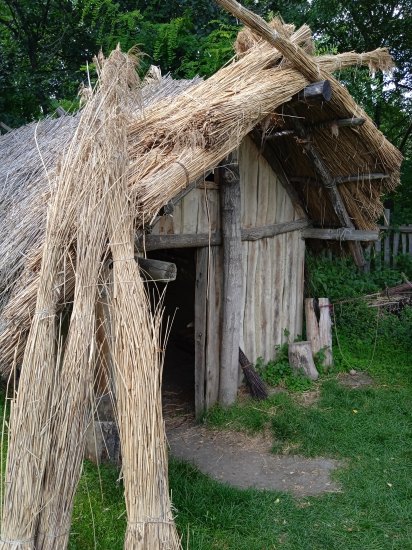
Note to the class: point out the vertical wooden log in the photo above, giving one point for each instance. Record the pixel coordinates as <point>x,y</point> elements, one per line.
<point>312,325</point>
<point>325,331</point>
<point>410,241</point>
<point>213,333</point>
<point>395,248</point>
<point>232,280</point>
<point>378,258</point>
<point>403,238</point>
<point>387,241</point>
<point>202,255</point>
<point>367,266</point>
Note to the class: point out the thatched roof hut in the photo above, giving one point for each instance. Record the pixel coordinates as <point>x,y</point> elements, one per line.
<point>309,164</point>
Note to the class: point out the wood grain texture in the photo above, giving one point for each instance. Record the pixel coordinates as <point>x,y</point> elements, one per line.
<point>230,213</point>
<point>273,266</point>
<point>200,329</point>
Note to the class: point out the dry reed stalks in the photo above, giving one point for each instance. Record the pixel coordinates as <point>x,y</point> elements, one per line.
<point>46,443</point>
<point>137,369</point>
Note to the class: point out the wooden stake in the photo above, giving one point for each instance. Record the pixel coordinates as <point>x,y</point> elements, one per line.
<point>325,331</point>
<point>301,359</point>
<point>312,325</point>
<point>232,281</point>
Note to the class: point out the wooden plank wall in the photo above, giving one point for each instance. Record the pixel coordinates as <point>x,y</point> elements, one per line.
<point>192,214</point>
<point>273,269</point>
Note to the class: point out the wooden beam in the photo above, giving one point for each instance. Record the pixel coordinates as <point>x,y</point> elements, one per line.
<point>361,177</point>
<point>340,234</point>
<point>329,184</point>
<point>340,123</point>
<point>270,155</point>
<point>198,240</point>
<point>230,211</point>
<point>315,92</point>
<point>267,231</point>
<point>157,270</point>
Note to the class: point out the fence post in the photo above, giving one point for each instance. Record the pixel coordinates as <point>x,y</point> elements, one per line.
<point>387,241</point>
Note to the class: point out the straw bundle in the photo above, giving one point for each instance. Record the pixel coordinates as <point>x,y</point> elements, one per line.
<point>46,445</point>
<point>137,360</point>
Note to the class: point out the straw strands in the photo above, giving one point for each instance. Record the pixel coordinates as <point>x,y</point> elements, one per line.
<point>46,440</point>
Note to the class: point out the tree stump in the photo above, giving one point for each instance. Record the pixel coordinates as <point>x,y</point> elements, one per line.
<point>301,359</point>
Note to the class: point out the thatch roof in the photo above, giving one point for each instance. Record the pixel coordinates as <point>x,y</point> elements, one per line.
<point>186,129</point>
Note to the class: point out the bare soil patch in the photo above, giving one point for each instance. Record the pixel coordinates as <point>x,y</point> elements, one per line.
<point>245,461</point>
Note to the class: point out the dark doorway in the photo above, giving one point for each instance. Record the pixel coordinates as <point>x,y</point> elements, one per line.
<point>179,299</point>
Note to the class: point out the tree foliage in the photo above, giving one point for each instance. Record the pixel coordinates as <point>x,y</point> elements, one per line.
<point>44,46</point>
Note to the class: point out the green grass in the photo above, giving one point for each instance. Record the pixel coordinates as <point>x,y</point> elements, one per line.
<point>370,430</point>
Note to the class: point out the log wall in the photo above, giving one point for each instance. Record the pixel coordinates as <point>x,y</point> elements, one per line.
<point>273,268</point>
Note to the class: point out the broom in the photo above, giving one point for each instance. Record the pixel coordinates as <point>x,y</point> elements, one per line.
<point>255,384</point>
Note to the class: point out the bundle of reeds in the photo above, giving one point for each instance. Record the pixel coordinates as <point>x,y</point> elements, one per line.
<point>137,368</point>
<point>46,444</point>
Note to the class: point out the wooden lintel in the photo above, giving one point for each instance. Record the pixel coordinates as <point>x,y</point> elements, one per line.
<point>269,154</point>
<point>330,186</point>
<point>198,240</point>
<point>340,234</point>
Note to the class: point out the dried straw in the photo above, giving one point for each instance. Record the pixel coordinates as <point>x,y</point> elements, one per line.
<point>46,444</point>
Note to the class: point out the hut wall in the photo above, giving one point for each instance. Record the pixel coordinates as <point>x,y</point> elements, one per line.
<point>273,268</point>
<point>197,212</point>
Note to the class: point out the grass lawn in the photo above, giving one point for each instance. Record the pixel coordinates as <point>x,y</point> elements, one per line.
<point>370,429</point>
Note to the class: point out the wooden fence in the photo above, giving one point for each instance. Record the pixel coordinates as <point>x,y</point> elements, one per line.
<point>394,241</point>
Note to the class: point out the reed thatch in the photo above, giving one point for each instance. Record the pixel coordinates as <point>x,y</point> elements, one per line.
<point>185,134</point>
<point>90,203</point>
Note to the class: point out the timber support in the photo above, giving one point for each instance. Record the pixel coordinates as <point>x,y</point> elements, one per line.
<point>229,183</point>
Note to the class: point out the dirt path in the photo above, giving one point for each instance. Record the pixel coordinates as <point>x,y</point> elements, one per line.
<point>244,461</point>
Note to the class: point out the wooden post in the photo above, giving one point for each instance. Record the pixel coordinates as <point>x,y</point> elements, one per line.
<point>403,238</point>
<point>213,331</point>
<point>325,331</point>
<point>232,280</point>
<point>396,236</point>
<point>301,359</point>
<point>410,241</point>
<point>387,241</point>
<point>312,325</point>
<point>200,329</point>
